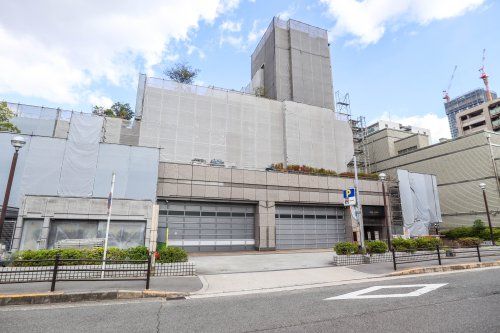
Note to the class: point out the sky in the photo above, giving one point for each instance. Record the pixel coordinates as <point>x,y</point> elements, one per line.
<point>393,57</point>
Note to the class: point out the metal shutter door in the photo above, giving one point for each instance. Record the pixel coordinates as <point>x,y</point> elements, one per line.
<point>304,227</point>
<point>203,226</point>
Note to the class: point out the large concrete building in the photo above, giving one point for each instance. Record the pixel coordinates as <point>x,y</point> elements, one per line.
<point>482,117</point>
<point>292,63</point>
<point>459,165</point>
<point>390,142</point>
<point>465,101</point>
<point>64,171</point>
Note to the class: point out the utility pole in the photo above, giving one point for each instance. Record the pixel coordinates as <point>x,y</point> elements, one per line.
<point>358,209</point>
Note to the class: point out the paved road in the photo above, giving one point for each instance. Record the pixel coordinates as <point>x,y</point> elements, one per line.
<point>469,302</point>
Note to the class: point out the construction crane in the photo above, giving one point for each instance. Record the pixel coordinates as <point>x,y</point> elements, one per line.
<point>446,96</point>
<point>484,77</point>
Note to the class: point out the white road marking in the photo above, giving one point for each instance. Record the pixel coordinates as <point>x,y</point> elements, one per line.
<point>360,294</point>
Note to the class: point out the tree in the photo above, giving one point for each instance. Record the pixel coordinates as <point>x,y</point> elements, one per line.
<point>5,115</point>
<point>117,110</point>
<point>181,72</point>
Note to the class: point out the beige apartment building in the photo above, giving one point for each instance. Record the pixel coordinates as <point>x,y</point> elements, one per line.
<point>482,117</point>
<point>389,142</point>
<point>459,165</point>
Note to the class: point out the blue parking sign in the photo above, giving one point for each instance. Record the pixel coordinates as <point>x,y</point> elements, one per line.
<point>349,197</point>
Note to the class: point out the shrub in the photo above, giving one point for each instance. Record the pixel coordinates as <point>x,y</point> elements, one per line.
<point>469,241</point>
<point>346,248</point>
<point>172,254</point>
<point>428,243</point>
<point>404,245</point>
<point>114,253</point>
<point>478,228</point>
<point>457,233</point>
<point>376,247</point>
<point>137,253</point>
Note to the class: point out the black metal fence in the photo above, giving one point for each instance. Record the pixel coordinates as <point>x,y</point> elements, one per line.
<point>441,254</point>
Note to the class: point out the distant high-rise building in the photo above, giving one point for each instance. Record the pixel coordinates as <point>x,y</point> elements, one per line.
<point>466,101</point>
<point>292,63</point>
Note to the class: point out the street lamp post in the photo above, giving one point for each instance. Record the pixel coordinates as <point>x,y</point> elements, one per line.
<point>17,142</point>
<point>382,178</point>
<point>483,187</point>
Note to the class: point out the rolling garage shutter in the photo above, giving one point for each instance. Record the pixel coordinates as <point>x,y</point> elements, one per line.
<point>202,226</point>
<point>304,227</point>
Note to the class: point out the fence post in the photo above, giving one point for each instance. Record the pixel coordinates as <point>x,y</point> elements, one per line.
<point>148,273</point>
<point>394,258</point>
<point>478,253</point>
<point>54,273</point>
<point>439,254</point>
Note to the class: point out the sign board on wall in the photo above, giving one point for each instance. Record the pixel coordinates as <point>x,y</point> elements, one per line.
<point>349,197</point>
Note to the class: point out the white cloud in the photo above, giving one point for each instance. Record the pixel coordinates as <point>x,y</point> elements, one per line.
<point>368,20</point>
<point>98,99</point>
<point>256,33</point>
<point>55,50</point>
<point>235,41</point>
<point>231,26</point>
<point>287,13</point>
<point>191,49</point>
<point>438,126</point>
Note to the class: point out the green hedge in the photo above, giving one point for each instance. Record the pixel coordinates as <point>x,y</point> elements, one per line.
<point>171,254</point>
<point>478,229</point>
<point>425,243</point>
<point>38,257</point>
<point>346,248</point>
<point>376,246</point>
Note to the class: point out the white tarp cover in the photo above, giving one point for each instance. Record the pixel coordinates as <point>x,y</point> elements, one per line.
<point>42,167</point>
<point>419,201</point>
<point>136,170</point>
<point>80,159</point>
<point>40,163</point>
<point>6,152</point>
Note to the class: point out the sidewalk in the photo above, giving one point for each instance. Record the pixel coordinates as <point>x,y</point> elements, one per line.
<point>219,284</point>
<point>181,284</point>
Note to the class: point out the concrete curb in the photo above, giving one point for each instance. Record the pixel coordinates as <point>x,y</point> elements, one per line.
<point>63,297</point>
<point>446,268</point>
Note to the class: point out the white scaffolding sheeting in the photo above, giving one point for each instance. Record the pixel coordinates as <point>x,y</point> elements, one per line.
<point>80,159</point>
<point>189,122</point>
<point>419,201</point>
<point>314,137</point>
<point>42,168</point>
<point>6,152</point>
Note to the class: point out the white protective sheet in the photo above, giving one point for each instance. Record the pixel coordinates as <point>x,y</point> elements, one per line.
<point>136,170</point>
<point>6,153</point>
<point>80,159</point>
<point>419,202</point>
<point>42,168</point>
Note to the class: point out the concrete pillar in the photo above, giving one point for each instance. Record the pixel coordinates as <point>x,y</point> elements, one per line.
<point>16,242</point>
<point>350,226</point>
<point>265,226</point>
<point>44,235</point>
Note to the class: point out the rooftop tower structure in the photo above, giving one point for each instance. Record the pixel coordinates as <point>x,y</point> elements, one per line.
<point>292,63</point>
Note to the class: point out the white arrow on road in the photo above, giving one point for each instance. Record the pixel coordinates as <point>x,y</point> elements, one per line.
<point>361,294</point>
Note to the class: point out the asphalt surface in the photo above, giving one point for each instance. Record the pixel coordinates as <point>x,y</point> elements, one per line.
<point>469,302</point>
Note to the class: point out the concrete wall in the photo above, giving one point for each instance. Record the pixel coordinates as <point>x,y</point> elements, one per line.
<point>264,189</point>
<point>415,140</point>
<point>459,165</point>
<point>50,208</point>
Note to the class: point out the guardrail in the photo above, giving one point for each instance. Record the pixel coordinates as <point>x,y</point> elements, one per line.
<point>53,270</point>
<point>444,253</point>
